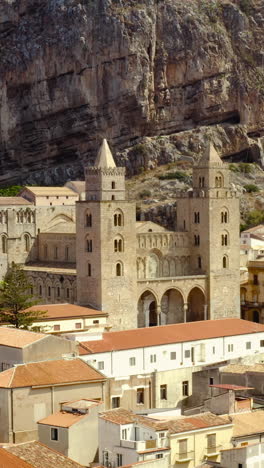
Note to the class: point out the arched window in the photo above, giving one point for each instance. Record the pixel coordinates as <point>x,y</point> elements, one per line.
<point>196,217</point>
<point>224,216</point>
<point>89,245</point>
<point>224,239</point>
<point>89,269</point>
<point>113,185</point>
<point>201,182</point>
<point>119,269</point>
<point>4,244</point>
<point>118,245</point>
<point>225,262</point>
<point>26,242</point>
<point>219,180</point>
<point>196,239</point>
<point>119,219</point>
<point>88,220</point>
<point>67,252</point>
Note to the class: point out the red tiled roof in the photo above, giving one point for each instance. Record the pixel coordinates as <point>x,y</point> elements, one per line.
<point>40,456</point>
<point>62,419</point>
<point>64,311</point>
<point>176,333</point>
<point>49,372</point>
<point>16,338</point>
<point>8,460</point>
<point>14,201</point>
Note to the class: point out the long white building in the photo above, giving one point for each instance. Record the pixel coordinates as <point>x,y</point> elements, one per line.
<point>142,363</point>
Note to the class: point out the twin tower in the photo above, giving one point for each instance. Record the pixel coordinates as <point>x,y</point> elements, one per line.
<point>107,242</point>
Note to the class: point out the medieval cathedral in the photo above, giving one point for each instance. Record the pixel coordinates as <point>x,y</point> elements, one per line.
<point>81,243</point>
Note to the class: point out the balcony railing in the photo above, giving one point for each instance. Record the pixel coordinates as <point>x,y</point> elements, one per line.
<point>214,450</point>
<point>185,456</point>
<point>251,304</point>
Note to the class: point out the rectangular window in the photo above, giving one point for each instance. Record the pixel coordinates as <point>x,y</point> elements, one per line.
<point>153,358</point>
<point>89,269</point>
<point>213,350</point>
<point>183,446</point>
<point>261,343</point>
<point>116,402</point>
<point>185,388</point>
<point>173,355</point>
<point>230,348</point>
<point>95,321</point>
<point>119,459</point>
<point>56,327</point>
<point>68,293</point>
<point>211,381</point>
<point>161,435</point>
<point>124,434</point>
<point>54,433</point>
<point>132,361</point>
<point>255,279</point>
<point>101,365</point>
<point>248,345</point>
<point>159,455</point>
<point>140,396</point>
<point>78,325</point>
<point>211,441</point>
<point>187,353</point>
<point>163,392</point>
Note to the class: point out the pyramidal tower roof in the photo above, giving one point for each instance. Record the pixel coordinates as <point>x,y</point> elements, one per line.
<point>210,156</point>
<point>104,158</point>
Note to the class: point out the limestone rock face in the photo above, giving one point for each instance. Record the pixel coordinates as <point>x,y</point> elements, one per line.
<point>75,71</point>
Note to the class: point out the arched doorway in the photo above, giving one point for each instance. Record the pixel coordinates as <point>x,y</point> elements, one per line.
<point>252,316</point>
<point>147,310</point>
<point>196,305</point>
<point>172,307</point>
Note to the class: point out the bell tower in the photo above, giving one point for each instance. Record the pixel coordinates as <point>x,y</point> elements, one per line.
<point>213,225</point>
<point>106,243</point>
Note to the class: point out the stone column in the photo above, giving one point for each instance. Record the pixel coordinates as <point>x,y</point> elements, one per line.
<point>185,310</point>
<point>205,311</point>
<point>159,315</point>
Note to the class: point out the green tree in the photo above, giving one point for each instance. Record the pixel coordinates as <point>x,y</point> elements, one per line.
<point>15,299</point>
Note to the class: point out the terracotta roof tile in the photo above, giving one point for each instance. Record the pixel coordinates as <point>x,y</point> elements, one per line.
<point>176,333</point>
<point>8,460</point>
<point>181,424</point>
<point>65,311</point>
<point>62,419</point>
<point>41,456</point>
<point>49,372</point>
<point>248,423</point>
<point>16,338</point>
<point>50,191</point>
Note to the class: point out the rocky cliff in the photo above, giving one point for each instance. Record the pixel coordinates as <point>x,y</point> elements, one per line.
<point>73,71</point>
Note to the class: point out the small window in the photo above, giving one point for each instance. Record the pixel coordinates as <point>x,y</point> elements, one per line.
<point>211,381</point>
<point>153,358</point>
<point>187,353</point>
<point>140,396</point>
<point>213,349</point>
<point>224,262</point>
<point>119,459</point>
<point>161,435</point>
<point>132,361</point>
<point>230,348</point>
<point>199,262</point>
<point>196,240</point>
<point>49,291</point>
<point>54,433</point>
<point>240,465</point>
<point>119,270</point>
<point>58,292</point>
<point>96,321</point>
<point>183,446</point>
<point>211,441</point>
<point>40,290</point>
<point>101,365</point>
<point>173,355</point>
<point>88,219</point>
<point>163,392</point>
<point>159,455</point>
<point>262,343</point>
<point>255,280</point>
<point>116,402</point>
<point>89,245</point>
<point>56,327</point>
<point>67,293</point>
<point>113,185</point>
<point>78,325</point>
<point>197,217</point>
<point>124,434</point>
<point>185,388</point>
<point>113,197</point>
<point>248,345</point>
<point>89,269</point>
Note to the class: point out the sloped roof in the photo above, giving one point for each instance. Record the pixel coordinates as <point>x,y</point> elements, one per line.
<point>8,460</point>
<point>122,416</point>
<point>17,338</point>
<point>14,201</point>
<point>41,456</point>
<point>62,419</point>
<point>175,333</point>
<point>248,423</point>
<point>104,158</point>
<point>210,156</point>
<point>64,311</point>
<point>149,226</point>
<point>51,191</point>
<point>57,372</point>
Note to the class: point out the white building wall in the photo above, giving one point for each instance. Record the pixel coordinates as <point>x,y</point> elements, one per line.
<point>200,352</point>
<point>67,325</point>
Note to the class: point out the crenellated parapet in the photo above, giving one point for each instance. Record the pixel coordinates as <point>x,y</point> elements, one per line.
<point>110,171</point>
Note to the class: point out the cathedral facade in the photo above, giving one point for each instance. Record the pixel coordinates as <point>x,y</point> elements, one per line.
<point>139,272</point>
